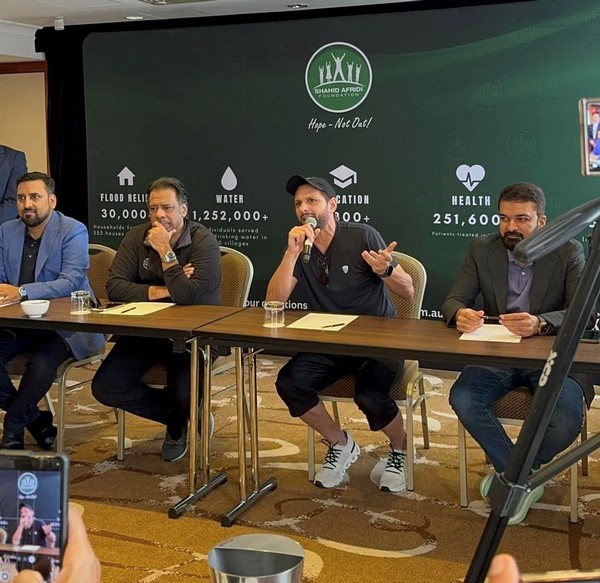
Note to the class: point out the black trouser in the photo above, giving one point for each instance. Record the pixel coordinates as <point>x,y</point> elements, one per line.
<point>49,350</point>
<point>305,375</point>
<point>117,382</point>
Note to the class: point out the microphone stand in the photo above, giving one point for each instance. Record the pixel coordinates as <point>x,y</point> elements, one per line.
<point>509,487</point>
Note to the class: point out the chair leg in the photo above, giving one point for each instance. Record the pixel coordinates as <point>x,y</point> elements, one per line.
<point>336,413</point>
<point>311,454</point>
<point>462,465</point>
<point>49,403</point>
<point>574,494</point>
<point>410,453</point>
<point>585,469</point>
<point>424,420</point>
<point>60,423</point>
<point>120,434</point>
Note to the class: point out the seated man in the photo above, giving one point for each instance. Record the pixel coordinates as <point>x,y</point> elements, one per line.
<point>349,270</point>
<point>530,299</point>
<point>31,531</point>
<point>43,255</point>
<point>171,259</point>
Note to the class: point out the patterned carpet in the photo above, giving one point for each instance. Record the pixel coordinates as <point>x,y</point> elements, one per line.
<point>354,533</point>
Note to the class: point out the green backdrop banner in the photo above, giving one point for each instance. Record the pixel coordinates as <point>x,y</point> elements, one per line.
<point>418,118</point>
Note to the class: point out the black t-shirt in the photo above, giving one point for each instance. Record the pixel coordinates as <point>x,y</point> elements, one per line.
<point>352,288</point>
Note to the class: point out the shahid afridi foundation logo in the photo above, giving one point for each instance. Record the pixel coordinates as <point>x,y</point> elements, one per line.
<point>338,77</point>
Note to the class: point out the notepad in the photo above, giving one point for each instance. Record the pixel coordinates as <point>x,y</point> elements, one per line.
<point>325,322</point>
<point>138,308</point>
<point>491,333</point>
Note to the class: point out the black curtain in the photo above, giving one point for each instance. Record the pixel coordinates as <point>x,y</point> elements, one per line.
<point>66,117</point>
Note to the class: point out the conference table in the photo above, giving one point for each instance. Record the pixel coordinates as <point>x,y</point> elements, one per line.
<point>29,550</point>
<point>174,322</point>
<point>429,341</point>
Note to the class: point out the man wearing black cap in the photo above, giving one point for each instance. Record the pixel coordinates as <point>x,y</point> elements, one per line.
<point>348,271</point>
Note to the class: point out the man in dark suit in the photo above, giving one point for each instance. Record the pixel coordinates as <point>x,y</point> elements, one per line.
<point>43,255</point>
<point>529,299</point>
<point>12,165</point>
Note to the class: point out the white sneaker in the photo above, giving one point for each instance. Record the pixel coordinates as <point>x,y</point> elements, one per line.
<point>393,478</point>
<point>337,460</point>
<point>485,484</point>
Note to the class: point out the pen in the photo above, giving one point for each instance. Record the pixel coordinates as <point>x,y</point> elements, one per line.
<point>491,319</point>
<point>333,325</point>
<point>127,310</point>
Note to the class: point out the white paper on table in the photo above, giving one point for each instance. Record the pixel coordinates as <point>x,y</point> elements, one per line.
<point>30,548</point>
<point>137,308</point>
<point>325,322</point>
<point>491,333</point>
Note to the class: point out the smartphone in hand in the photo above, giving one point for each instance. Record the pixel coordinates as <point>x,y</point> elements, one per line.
<point>33,512</point>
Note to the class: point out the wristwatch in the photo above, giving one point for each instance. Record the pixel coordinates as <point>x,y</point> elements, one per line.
<point>387,272</point>
<point>169,257</point>
<point>543,326</point>
<point>22,293</point>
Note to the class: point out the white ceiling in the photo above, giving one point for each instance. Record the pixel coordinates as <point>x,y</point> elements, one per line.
<point>43,12</point>
<point>19,19</point>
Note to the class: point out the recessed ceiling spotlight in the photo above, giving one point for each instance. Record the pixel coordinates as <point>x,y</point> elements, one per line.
<point>155,2</point>
<point>298,5</point>
<point>134,17</point>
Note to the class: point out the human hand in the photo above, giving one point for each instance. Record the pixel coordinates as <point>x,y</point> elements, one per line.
<point>379,260</point>
<point>9,293</point>
<point>298,235</point>
<point>503,569</point>
<point>47,528</point>
<point>159,238</point>
<point>79,563</point>
<point>469,320</point>
<point>188,270</point>
<point>522,324</point>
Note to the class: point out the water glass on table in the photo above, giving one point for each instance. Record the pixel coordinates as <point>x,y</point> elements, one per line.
<point>274,315</point>
<point>80,303</point>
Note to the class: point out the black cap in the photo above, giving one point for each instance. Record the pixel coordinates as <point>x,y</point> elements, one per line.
<point>294,182</point>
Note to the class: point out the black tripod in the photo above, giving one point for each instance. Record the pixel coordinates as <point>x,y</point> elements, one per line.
<point>508,488</point>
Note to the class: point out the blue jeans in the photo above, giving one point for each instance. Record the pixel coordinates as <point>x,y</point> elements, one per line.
<point>478,387</point>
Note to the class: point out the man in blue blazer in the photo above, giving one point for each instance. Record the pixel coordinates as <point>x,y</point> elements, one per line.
<point>12,165</point>
<point>43,255</point>
<point>529,300</point>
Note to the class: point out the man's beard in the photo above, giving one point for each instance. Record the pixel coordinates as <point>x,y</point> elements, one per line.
<point>34,220</point>
<point>511,243</point>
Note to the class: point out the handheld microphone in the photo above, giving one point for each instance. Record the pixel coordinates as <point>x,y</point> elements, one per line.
<point>308,244</point>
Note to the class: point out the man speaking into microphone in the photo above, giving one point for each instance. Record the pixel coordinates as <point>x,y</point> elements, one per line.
<point>345,268</point>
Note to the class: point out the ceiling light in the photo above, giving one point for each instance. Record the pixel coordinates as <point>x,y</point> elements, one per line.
<point>155,2</point>
<point>134,17</point>
<point>297,5</point>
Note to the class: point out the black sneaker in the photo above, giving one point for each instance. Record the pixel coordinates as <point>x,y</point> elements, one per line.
<point>174,449</point>
<point>43,431</point>
<point>12,441</point>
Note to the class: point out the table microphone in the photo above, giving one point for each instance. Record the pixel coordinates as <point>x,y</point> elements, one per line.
<point>307,243</point>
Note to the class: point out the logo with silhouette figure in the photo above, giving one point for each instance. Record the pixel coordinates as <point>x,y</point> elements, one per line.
<point>338,77</point>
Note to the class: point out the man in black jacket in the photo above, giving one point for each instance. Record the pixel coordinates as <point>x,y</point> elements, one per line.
<point>173,260</point>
